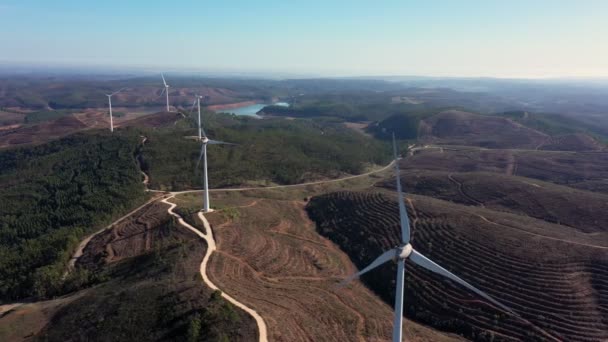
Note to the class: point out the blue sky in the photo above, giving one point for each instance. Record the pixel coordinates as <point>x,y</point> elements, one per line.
<point>517,38</point>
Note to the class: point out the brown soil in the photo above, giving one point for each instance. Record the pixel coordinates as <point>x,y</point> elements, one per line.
<point>567,168</point>
<point>573,142</point>
<point>554,276</point>
<point>462,128</point>
<point>10,118</point>
<point>133,236</point>
<point>153,288</point>
<point>159,119</point>
<point>272,260</point>
<point>41,132</point>
<point>358,127</point>
<point>583,210</point>
<point>24,322</point>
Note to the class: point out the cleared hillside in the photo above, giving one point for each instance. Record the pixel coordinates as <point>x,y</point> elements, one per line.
<point>584,210</point>
<point>554,276</point>
<point>148,288</point>
<point>270,258</point>
<point>462,128</point>
<point>42,132</point>
<point>585,170</point>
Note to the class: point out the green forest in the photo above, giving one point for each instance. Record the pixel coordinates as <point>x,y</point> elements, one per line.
<point>52,196</point>
<point>269,151</point>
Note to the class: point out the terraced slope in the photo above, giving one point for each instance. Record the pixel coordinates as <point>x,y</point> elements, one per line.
<point>585,170</point>
<point>150,289</point>
<point>461,128</point>
<point>270,258</point>
<point>138,234</point>
<point>572,142</point>
<point>40,133</point>
<point>159,119</point>
<point>584,210</point>
<point>555,277</point>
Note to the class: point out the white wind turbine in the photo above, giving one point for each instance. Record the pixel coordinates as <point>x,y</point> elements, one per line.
<point>166,90</point>
<point>202,137</point>
<point>110,106</point>
<point>405,251</point>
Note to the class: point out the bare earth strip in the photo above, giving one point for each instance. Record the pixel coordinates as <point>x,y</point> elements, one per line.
<point>273,260</point>
<point>208,237</point>
<point>86,241</point>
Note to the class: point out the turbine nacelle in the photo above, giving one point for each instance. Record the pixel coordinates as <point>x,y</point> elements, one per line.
<point>205,140</point>
<point>403,252</point>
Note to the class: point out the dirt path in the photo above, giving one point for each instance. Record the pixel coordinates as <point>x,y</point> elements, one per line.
<point>86,241</point>
<point>511,165</point>
<point>285,186</point>
<point>540,235</point>
<point>210,241</point>
<point>462,192</point>
<point>8,307</point>
<point>208,237</point>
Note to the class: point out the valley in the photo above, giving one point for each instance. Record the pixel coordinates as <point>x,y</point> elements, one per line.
<point>301,203</point>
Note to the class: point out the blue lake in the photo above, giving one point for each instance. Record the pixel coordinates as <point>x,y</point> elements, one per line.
<point>250,110</point>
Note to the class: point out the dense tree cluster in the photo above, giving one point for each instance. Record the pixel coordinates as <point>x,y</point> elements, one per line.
<point>271,150</point>
<point>52,195</point>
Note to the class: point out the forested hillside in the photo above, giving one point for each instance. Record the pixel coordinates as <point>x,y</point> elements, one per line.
<point>269,151</point>
<point>54,194</point>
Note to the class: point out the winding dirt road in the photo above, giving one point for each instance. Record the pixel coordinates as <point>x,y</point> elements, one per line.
<point>283,186</point>
<point>208,235</point>
<point>211,247</point>
<point>86,241</point>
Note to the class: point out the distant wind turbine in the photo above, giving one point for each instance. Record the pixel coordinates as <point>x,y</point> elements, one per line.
<point>110,105</point>
<point>202,137</point>
<point>405,251</point>
<point>166,90</point>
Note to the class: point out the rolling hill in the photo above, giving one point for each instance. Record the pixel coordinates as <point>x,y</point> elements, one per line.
<point>583,210</point>
<point>467,129</point>
<point>147,287</point>
<point>554,276</point>
<point>585,170</point>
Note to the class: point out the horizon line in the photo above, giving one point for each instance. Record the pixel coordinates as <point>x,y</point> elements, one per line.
<point>101,69</point>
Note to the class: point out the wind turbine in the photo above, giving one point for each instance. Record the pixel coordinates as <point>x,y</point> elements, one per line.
<point>110,105</point>
<point>202,137</point>
<point>200,127</point>
<point>406,251</point>
<point>166,90</point>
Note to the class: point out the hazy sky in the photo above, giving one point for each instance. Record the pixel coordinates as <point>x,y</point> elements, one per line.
<point>533,38</point>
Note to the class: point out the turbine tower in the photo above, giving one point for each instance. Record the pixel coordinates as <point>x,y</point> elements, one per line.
<point>200,127</point>
<point>202,137</point>
<point>406,251</point>
<point>166,90</point>
<point>110,106</point>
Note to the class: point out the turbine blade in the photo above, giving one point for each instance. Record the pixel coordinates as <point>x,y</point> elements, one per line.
<point>191,108</point>
<point>398,320</point>
<point>205,134</point>
<point>163,76</point>
<point>200,156</point>
<point>162,92</point>
<point>201,121</point>
<point>384,257</point>
<point>403,218</point>
<point>427,263</point>
<point>118,91</point>
<point>217,142</point>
